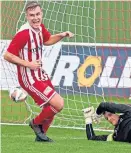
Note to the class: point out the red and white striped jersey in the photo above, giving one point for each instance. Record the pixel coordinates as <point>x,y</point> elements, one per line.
<point>27,44</point>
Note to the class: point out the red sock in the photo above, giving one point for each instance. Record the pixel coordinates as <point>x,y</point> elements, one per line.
<point>47,112</point>
<point>46,124</point>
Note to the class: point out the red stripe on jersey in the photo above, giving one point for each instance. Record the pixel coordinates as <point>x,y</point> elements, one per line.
<point>32,71</point>
<point>46,34</point>
<point>40,74</point>
<point>22,46</point>
<point>37,41</point>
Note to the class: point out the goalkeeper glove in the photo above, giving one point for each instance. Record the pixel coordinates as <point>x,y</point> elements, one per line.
<point>88,112</point>
<point>96,118</point>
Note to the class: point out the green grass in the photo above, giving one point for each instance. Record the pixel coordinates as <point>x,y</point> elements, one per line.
<point>20,139</point>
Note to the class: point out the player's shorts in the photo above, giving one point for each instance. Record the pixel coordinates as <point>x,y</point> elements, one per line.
<point>41,91</point>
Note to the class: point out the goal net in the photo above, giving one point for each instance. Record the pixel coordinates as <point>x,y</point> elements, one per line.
<point>92,67</point>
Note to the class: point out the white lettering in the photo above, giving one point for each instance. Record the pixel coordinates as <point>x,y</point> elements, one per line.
<point>105,80</point>
<point>125,80</point>
<point>50,55</point>
<point>73,63</point>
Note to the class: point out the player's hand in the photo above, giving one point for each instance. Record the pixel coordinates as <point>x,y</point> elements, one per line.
<point>96,118</point>
<point>35,65</point>
<point>67,34</point>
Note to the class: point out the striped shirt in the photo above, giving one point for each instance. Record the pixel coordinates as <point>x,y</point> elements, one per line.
<point>27,44</point>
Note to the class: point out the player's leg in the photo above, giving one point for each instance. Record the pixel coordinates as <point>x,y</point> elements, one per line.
<point>40,135</point>
<point>46,116</point>
<point>37,128</point>
<point>47,123</point>
<point>36,92</point>
<point>55,104</point>
<point>43,93</point>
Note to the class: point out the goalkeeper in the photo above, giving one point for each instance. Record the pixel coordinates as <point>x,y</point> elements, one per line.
<point>121,121</point>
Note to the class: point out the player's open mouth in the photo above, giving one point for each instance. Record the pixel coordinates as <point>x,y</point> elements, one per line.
<point>36,22</point>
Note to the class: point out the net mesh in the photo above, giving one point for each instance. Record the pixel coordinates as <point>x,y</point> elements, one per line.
<point>102,37</point>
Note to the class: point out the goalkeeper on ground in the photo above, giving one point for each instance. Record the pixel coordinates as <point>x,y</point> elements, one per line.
<point>121,121</point>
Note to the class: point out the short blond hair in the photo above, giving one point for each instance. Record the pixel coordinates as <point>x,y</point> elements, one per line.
<point>32,4</point>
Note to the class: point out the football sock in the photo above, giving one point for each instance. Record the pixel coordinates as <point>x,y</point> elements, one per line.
<point>46,113</point>
<point>46,124</point>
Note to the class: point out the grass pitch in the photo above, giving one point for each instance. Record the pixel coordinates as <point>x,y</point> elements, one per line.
<point>20,139</point>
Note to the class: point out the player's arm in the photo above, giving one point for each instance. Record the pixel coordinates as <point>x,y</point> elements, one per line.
<point>49,39</point>
<point>57,37</point>
<point>113,108</point>
<point>88,112</point>
<point>91,134</point>
<point>12,53</point>
<point>99,138</point>
<point>15,59</point>
<point>34,65</point>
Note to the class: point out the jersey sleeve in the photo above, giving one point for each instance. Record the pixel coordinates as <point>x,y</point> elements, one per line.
<point>99,138</point>
<point>17,43</point>
<point>46,34</point>
<point>91,134</point>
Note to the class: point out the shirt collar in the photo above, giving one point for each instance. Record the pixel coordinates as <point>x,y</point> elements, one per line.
<point>40,28</point>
